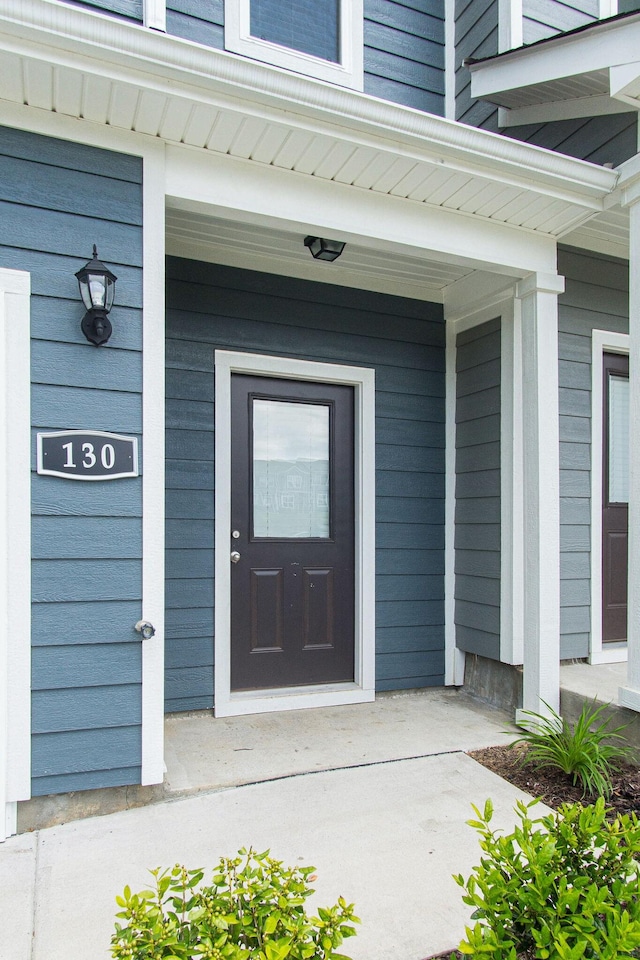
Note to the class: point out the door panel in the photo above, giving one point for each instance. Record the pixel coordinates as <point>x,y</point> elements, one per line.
<point>292,508</point>
<point>615,497</point>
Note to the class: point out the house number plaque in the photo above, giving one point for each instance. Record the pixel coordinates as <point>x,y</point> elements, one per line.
<point>87,455</point>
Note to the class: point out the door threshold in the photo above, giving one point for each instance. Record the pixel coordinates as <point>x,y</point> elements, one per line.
<point>613,651</point>
<point>291,698</point>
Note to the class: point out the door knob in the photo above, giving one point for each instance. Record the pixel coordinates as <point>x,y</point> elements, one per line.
<point>235,556</point>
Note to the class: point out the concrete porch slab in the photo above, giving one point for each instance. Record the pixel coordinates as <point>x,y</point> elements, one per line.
<point>207,753</point>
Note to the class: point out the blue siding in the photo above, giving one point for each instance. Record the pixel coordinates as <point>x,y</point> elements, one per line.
<point>476,35</point>
<point>201,21</point>
<point>595,298</point>
<point>404,52</point>
<point>607,139</point>
<point>546,18</point>
<point>132,9</point>
<point>403,340</point>
<point>477,520</point>
<point>86,538</point>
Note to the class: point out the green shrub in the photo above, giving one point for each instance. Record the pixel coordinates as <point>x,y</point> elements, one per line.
<point>561,887</point>
<point>253,909</point>
<point>585,750</point>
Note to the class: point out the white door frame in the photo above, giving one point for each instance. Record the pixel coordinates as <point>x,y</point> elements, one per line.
<point>362,689</point>
<point>603,341</point>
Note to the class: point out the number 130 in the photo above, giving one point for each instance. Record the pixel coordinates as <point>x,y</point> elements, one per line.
<point>89,459</point>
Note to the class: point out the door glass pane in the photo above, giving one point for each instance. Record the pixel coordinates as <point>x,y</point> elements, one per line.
<point>618,440</point>
<point>290,469</point>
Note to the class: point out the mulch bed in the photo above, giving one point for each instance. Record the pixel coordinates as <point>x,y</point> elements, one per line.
<point>555,787</point>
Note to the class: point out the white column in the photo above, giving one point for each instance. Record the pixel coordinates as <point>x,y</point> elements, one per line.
<point>538,294</point>
<point>15,547</point>
<point>629,695</point>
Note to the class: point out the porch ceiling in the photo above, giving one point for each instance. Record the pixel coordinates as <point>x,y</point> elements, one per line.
<point>81,64</point>
<point>213,239</point>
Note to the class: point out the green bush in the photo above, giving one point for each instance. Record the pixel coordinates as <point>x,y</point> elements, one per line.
<point>253,909</point>
<point>585,750</point>
<point>560,887</point>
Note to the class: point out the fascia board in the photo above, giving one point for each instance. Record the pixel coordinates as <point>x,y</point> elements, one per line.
<point>563,56</point>
<point>57,32</point>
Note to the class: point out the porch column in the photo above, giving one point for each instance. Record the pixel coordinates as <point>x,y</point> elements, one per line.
<point>629,695</point>
<point>538,294</point>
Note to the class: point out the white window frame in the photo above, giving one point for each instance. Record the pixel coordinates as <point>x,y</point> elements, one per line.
<point>603,341</point>
<point>347,73</point>
<point>362,688</point>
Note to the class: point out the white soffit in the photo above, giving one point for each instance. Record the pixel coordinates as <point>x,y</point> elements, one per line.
<point>579,65</point>
<point>215,240</point>
<point>81,64</point>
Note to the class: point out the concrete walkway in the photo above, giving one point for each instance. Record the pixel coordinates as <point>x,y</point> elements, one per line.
<point>375,797</point>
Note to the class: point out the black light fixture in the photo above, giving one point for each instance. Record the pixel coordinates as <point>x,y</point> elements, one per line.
<point>97,286</point>
<point>323,249</point>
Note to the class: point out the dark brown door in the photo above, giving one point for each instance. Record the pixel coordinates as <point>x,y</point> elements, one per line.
<point>292,510</point>
<point>615,488</point>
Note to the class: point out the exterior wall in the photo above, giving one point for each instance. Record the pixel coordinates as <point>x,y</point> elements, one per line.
<point>476,35</point>
<point>213,307</point>
<point>57,200</point>
<point>545,18</point>
<point>404,52</point>
<point>596,297</point>
<point>607,139</point>
<point>403,45</point>
<point>477,519</point>
<point>132,9</point>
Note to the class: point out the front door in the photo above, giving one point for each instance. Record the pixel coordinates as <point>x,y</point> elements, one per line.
<point>615,488</point>
<point>292,533</point>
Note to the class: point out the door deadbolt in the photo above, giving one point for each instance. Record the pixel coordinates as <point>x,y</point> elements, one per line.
<point>235,534</point>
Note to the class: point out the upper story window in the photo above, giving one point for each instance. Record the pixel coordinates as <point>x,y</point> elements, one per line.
<point>319,38</point>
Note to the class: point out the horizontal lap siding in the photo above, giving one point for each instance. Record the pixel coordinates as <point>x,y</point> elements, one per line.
<point>596,297</point>
<point>404,52</point>
<point>476,35</point>
<point>608,139</point>
<point>201,21</point>
<point>477,518</point>
<point>546,18</point>
<point>86,537</point>
<point>132,9</point>
<point>217,307</point>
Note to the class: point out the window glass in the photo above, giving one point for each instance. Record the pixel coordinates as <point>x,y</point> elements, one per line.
<point>618,439</point>
<point>309,26</point>
<point>290,469</point>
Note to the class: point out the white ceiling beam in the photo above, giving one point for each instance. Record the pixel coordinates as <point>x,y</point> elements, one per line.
<point>561,110</point>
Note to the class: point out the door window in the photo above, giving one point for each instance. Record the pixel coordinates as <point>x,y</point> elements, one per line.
<point>618,439</point>
<point>290,469</point>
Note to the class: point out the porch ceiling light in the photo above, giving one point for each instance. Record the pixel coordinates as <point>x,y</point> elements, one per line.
<point>97,286</point>
<point>323,249</point>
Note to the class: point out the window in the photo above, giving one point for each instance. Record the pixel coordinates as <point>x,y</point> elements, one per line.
<point>319,38</point>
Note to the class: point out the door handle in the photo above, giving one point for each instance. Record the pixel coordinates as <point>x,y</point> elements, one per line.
<point>235,556</point>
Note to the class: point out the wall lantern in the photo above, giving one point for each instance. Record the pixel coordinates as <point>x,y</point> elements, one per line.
<point>97,285</point>
<point>323,249</point>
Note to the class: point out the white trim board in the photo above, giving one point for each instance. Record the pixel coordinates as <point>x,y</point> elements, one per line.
<point>15,546</point>
<point>603,341</point>
<point>363,688</point>
<point>153,490</point>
